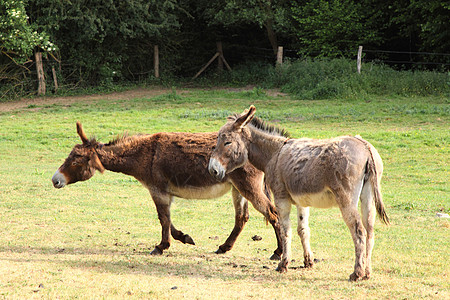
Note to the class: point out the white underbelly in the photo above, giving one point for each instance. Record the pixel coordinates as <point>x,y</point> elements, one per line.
<point>208,192</point>
<point>323,199</point>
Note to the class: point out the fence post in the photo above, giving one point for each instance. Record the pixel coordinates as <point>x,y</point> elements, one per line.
<point>219,61</point>
<point>40,73</point>
<point>55,79</point>
<point>280,56</point>
<point>358,59</point>
<point>156,61</point>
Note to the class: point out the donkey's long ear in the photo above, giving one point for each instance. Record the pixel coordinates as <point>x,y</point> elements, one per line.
<point>81,133</point>
<point>245,117</point>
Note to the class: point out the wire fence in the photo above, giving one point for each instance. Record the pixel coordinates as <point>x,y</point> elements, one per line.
<point>388,57</point>
<point>22,80</point>
<point>408,58</point>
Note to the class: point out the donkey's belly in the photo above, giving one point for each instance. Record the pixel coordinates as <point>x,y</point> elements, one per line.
<point>207,192</point>
<point>323,199</point>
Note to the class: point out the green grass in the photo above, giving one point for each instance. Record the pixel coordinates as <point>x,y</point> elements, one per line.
<point>92,239</point>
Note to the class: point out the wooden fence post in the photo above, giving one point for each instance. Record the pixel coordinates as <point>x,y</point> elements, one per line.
<point>219,61</point>
<point>220,57</point>
<point>358,59</point>
<point>55,80</point>
<point>156,61</point>
<point>280,56</point>
<point>40,73</point>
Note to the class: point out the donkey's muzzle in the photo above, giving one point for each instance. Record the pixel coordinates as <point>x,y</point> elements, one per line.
<point>58,179</point>
<point>216,169</point>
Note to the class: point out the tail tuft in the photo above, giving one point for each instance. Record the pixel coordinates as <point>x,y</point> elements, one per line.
<point>373,177</point>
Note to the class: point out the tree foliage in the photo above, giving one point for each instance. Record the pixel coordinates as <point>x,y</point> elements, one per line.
<point>19,38</point>
<point>272,15</point>
<point>331,28</point>
<point>102,38</point>
<point>425,22</point>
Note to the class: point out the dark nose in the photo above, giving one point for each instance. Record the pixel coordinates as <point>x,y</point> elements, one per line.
<point>213,172</point>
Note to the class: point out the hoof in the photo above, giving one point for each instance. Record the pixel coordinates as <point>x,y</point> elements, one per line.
<point>275,257</point>
<point>367,275</point>
<point>281,269</point>
<point>354,277</point>
<point>219,251</point>
<point>308,264</point>
<point>156,251</point>
<point>188,240</point>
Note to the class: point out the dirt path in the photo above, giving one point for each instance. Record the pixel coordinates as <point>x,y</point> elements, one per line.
<point>127,95</point>
<point>135,93</point>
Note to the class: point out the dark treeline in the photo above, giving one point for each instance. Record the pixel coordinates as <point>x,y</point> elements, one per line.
<point>104,41</point>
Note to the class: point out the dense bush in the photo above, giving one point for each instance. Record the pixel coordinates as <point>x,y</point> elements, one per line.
<point>332,78</point>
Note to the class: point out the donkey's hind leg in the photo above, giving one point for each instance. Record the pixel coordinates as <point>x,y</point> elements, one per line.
<point>162,202</point>
<point>304,233</point>
<point>349,210</point>
<point>241,217</point>
<point>368,217</point>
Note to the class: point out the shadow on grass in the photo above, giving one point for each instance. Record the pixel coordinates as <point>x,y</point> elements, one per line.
<point>206,266</point>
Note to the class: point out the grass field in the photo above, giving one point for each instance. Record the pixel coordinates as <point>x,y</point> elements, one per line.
<point>92,239</point>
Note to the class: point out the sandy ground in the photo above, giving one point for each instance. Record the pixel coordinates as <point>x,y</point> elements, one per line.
<point>135,93</point>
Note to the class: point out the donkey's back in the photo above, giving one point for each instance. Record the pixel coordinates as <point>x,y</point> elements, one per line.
<point>309,166</point>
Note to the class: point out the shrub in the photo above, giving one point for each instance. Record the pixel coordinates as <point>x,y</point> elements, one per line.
<point>331,78</point>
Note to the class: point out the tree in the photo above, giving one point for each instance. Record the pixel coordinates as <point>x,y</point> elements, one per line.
<point>105,40</point>
<point>427,22</point>
<point>331,28</point>
<point>19,38</point>
<point>273,15</point>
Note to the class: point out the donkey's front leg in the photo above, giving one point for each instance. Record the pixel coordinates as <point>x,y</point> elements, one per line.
<point>304,233</point>
<point>284,209</point>
<point>254,190</point>
<point>241,217</point>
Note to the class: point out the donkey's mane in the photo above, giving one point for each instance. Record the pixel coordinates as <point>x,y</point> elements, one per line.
<point>124,138</point>
<point>264,126</point>
<point>119,139</point>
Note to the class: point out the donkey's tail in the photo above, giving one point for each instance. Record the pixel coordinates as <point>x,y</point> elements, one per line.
<point>376,192</point>
<point>372,175</point>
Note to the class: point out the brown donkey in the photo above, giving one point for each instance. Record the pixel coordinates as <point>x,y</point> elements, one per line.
<point>307,172</point>
<point>168,165</point>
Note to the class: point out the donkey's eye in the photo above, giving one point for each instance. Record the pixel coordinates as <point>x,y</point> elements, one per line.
<point>226,143</point>
<point>75,164</point>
